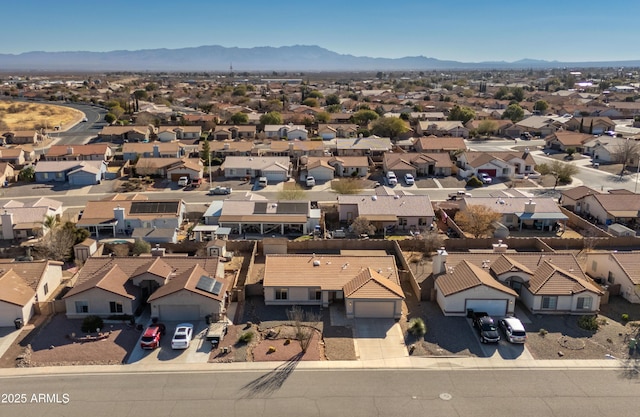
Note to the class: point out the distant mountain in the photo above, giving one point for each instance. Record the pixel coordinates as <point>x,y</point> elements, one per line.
<point>287,58</point>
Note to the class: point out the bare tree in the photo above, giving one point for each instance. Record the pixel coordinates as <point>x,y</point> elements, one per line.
<point>305,323</point>
<point>627,152</point>
<point>361,226</point>
<point>477,220</point>
<point>57,243</point>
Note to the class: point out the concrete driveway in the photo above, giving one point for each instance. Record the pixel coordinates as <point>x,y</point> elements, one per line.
<point>503,349</point>
<point>379,339</point>
<point>198,351</point>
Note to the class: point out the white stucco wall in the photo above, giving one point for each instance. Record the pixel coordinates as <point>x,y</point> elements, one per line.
<point>454,304</point>
<point>600,264</point>
<point>98,301</point>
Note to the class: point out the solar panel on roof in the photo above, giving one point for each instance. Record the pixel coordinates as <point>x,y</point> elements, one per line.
<point>139,207</point>
<point>210,285</point>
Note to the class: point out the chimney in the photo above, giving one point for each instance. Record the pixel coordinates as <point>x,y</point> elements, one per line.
<point>530,207</point>
<point>118,214</point>
<point>500,247</point>
<point>69,150</point>
<point>290,146</point>
<point>156,151</point>
<point>439,261</point>
<point>158,251</point>
<point>7,225</point>
<point>226,146</point>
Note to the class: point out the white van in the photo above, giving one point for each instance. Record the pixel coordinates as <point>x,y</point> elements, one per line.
<point>262,182</point>
<point>183,181</point>
<point>391,178</point>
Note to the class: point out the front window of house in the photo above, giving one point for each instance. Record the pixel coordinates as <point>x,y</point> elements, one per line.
<point>549,302</point>
<point>422,221</point>
<point>115,307</point>
<point>584,303</point>
<point>402,221</point>
<point>315,295</point>
<point>82,307</point>
<point>282,294</point>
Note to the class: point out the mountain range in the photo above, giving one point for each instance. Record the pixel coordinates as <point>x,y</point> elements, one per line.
<point>216,58</point>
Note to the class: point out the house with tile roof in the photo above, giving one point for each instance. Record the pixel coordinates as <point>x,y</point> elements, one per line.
<point>450,145</point>
<point>21,219</point>
<point>7,173</point>
<point>124,134</point>
<point>114,216</point>
<point>506,164</point>
<point>591,125</point>
<point>134,151</point>
<point>418,164</point>
<point>16,156</point>
<point>332,131</point>
<point>607,149</point>
<point>21,137</point>
<point>564,139</point>
<point>177,288</point>
<point>453,128</point>
<point>173,133</point>
<point>405,212</point>
<point>614,207</point>
<point>546,283</point>
<point>89,152</point>
<point>23,284</point>
<point>369,286</point>
<point>618,271</point>
<point>327,167</point>
<point>234,132</point>
<point>373,147</point>
<point>289,131</point>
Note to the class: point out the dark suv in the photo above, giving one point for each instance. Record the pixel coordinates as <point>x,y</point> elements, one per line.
<point>151,337</point>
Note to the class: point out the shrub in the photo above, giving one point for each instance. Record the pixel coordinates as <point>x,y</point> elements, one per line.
<point>625,317</point>
<point>271,349</point>
<point>543,332</point>
<point>90,324</point>
<point>474,182</point>
<point>286,342</point>
<point>417,327</point>
<point>588,323</point>
<point>246,337</point>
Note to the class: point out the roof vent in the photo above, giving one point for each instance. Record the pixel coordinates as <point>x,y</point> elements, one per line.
<point>374,197</point>
<point>395,197</point>
<point>316,263</point>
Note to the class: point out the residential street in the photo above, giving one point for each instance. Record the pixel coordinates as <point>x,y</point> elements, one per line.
<point>291,391</point>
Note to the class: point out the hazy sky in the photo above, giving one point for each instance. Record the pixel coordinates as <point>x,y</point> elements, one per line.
<point>461,30</point>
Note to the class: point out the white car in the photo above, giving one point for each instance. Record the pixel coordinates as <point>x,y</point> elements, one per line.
<point>485,178</point>
<point>391,178</point>
<point>408,179</point>
<point>513,330</point>
<point>182,336</point>
<point>311,181</point>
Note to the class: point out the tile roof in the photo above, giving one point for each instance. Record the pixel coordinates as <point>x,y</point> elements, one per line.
<point>465,275</point>
<point>96,212</point>
<point>369,284</point>
<point>515,205</point>
<point>113,280</point>
<point>568,138</point>
<point>549,279</point>
<point>141,147</point>
<point>188,280</point>
<point>579,192</point>
<point>332,272</point>
<point>435,143</point>
<point>14,289</point>
<point>89,149</point>
<point>628,261</point>
<point>255,162</point>
<point>58,166</point>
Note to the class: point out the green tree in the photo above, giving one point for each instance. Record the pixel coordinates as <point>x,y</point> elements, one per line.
<point>514,113</point>
<point>205,154</point>
<point>239,118</point>
<point>140,247</point>
<point>323,117</point>
<point>390,127</point>
<point>117,111</point>
<point>110,118</point>
<point>315,94</point>
<point>311,102</point>
<point>517,94</point>
<point>239,91</point>
<point>334,108</point>
<point>271,118</point>
<point>541,106</point>
<point>140,94</point>
<point>502,92</point>
<point>463,114</point>
<point>487,127</point>
<point>332,99</point>
<point>27,174</point>
<point>363,117</point>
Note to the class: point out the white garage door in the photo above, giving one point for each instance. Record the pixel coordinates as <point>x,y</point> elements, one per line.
<point>177,313</point>
<point>374,309</point>
<point>495,308</point>
<point>275,176</point>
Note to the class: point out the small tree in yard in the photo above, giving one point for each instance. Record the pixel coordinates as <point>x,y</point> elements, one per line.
<point>305,324</point>
<point>417,327</point>
<point>140,247</point>
<point>477,220</point>
<point>91,324</point>
<point>362,226</point>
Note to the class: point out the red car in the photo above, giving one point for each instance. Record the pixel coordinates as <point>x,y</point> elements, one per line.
<point>151,337</point>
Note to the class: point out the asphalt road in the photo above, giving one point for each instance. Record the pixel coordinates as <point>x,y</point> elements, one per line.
<point>82,132</point>
<point>288,392</point>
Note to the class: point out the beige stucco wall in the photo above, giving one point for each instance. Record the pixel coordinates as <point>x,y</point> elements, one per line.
<point>604,263</point>
<point>454,305</point>
<point>52,276</point>
<point>9,312</point>
<point>98,301</point>
<point>207,305</point>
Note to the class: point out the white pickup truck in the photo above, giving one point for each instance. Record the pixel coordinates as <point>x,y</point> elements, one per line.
<point>458,195</point>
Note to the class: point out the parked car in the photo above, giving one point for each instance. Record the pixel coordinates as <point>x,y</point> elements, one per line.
<point>486,327</point>
<point>459,195</point>
<point>262,182</point>
<point>218,190</point>
<point>408,179</point>
<point>485,178</point>
<point>183,181</point>
<point>339,234</point>
<point>311,181</point>
<point>513,330</point>
<point>151,336</point>
<point>391,178</point>
<point>182,336</point>
<point>84,119</point>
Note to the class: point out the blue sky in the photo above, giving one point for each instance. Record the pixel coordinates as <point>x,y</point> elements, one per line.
<point>462,30</point>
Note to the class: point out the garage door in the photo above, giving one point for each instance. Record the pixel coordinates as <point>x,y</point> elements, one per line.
<point>490,172</point>
<point>495,308</point>
<point>275,176</point>
<point>178,313</point>
<point>176,177</point>
<point>374,309</point>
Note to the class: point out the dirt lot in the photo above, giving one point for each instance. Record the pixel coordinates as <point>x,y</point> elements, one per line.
<point>53,345</point>
<point>28,116</point>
